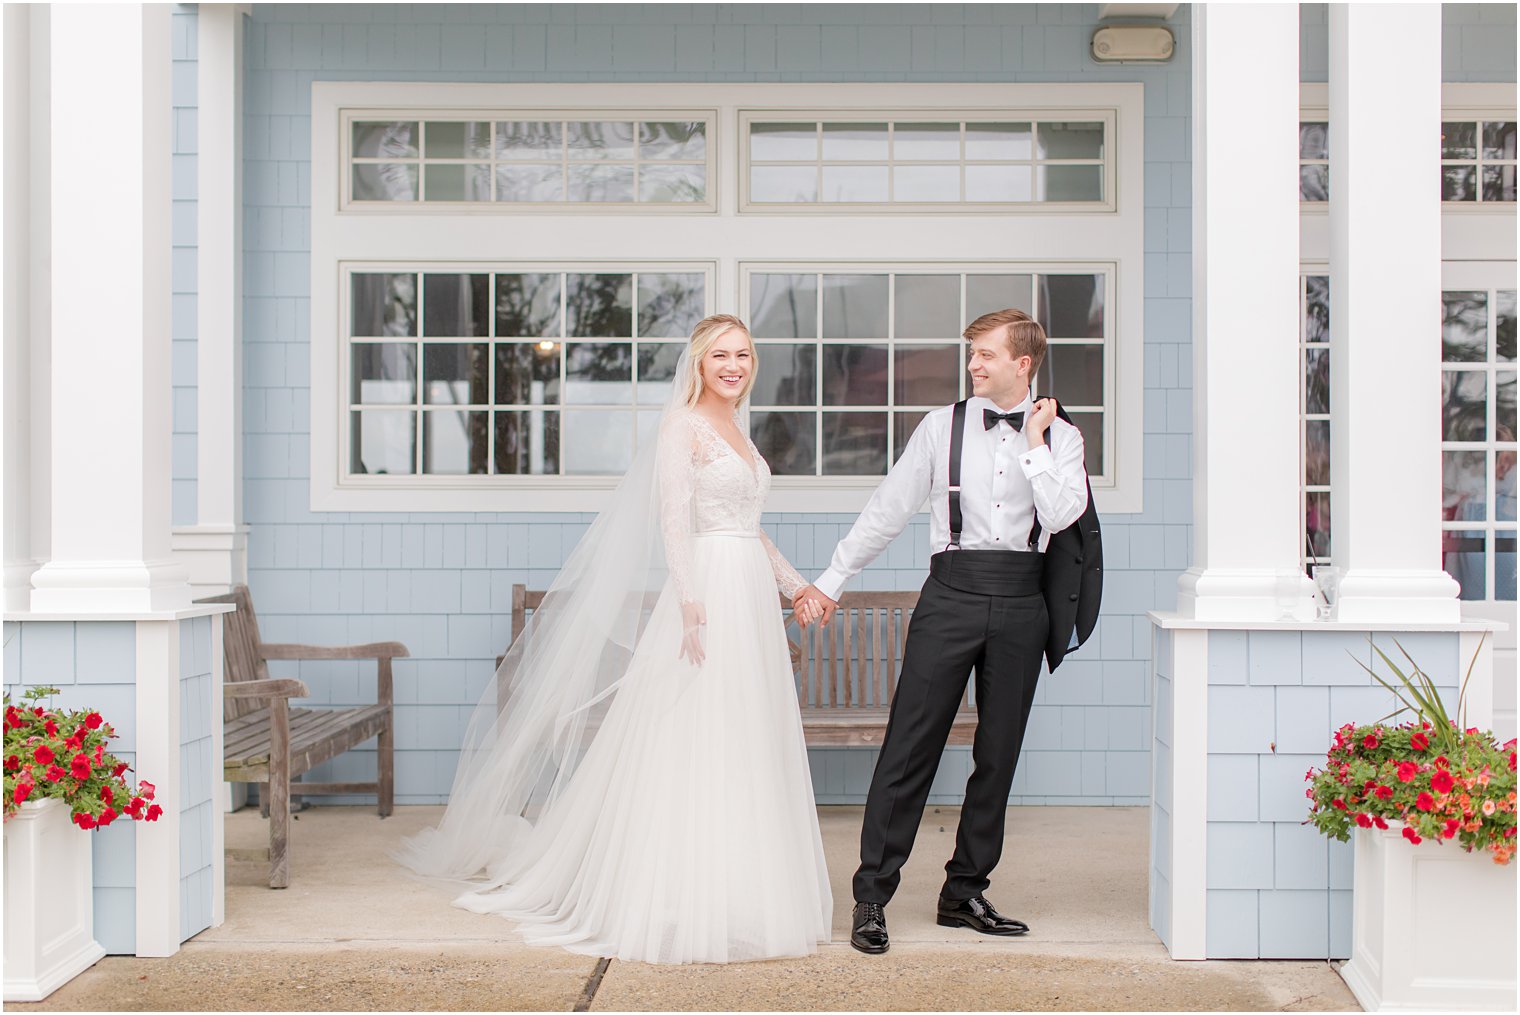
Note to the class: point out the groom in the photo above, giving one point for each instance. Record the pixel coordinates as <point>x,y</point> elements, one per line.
<point>1000,474</point>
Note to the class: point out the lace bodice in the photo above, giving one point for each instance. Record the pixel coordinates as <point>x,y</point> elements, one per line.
<point>706,485</point>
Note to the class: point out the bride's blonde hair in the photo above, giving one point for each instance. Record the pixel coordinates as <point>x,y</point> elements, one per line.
<point>703,337</point>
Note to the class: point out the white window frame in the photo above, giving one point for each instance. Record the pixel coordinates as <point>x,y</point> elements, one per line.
<point>427,234</point>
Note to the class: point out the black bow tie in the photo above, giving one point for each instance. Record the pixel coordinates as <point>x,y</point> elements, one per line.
<point>1015,419</point>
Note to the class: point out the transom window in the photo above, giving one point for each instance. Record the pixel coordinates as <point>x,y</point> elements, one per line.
<point>1314,414</point>
<point>518,159</point>
<point>1314,161</point>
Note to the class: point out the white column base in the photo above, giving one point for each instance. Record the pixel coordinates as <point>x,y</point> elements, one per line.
<point>1394,596</point>
<point>18,585</point>
<point>49,901</point>
<point>82,587</point>
<point>1241,594</point>
<point>216,556</point>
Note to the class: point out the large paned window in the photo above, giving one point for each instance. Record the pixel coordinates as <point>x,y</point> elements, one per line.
<point>1314,415</point>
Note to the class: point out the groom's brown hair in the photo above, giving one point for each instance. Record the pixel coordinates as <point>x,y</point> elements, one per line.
<point>1024,334</point>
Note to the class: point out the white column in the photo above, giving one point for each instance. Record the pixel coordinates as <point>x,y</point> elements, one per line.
<point>1385,313</point>
<point>158,751</point>
<point>15,271</point>
<point>1246,469</point>
<point>215,548</point>
<point>110,288</point>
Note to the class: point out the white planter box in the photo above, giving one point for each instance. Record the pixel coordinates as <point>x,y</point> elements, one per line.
<point>1433,927</point>
<point>49,908</point>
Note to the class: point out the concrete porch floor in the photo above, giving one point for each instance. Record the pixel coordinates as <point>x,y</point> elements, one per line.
<point>353,932</point>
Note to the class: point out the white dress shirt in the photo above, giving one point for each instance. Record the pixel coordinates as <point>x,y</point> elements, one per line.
<point>1004,484</point>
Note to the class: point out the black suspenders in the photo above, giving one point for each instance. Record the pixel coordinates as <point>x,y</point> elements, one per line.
<point>957,440</point>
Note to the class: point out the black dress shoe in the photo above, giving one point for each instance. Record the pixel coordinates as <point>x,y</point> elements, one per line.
<point>978,914</point>
<point>869,934</point>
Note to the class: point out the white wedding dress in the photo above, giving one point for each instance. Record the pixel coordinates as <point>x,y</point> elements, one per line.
<point>688,830</point>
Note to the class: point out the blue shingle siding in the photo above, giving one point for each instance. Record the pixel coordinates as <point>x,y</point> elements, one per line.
<point>1477,42</point>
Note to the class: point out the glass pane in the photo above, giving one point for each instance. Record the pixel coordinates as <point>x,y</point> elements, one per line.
<point>1464,486</point>
<point>1504,482</point>
<point>456,373</point>
<point>1317,523</point>
<point>1499,140</point>
<point>926,183</point>
<point>455,443</point>
<point>677,184</point>
<point>1464,405</point>
<point>1504,404</point>
<point>903,425</point>
<point>926,374</point>
<point>535,140</point>
<point>1459,140</point>
<point>1464,326</point>
<point>855,306</point>
<point>383,306</point>
<point>673,140</point>
<point>657,371</point>
<point>1498,183</point>
<point>383,443</point>
<point>927,306</point>
<point>1504,325</point>
<point>854,183</point>
<point>926,141</point>
<point>783,184</point>
<point>999,183</point>
<point>1071,306</point>
<point>783,142</point>
<point>530,183</point>
<point>599,306</point>
<point>1314,182</point>
<point>1459,183</point>
<point>1317,452</point>
<point>1317,308</point>
<point>787,440</point>
<point>855,141</point>
<point>527,306</point>
<point>1073,373</point>
<point>787,375</point>
<point>854,375</point>
<point>1504,565</point>
<point>647,426</point>
<point>1314,140</point>
<point>854,443</point>
<point>600,183</point>
<point>527,373</point>
<point>783,306</point>
<point>1069,183</point>
<point>998,141</point>
<point>1463,557</point>
<point>1317,380</point>
<point>1091,425</point>
<point>455,305</point>
<point>598,442</point>
<point>986,293</point>
<point>598,373</point>
<point>375,139</point>
<point>1069,140</point>
<point>527,443</point>
<point>598,140</point>
<point>385,373</point>
<point>471,182</point>
<point>458,140</point>
<point>385,181</point>
<point>670,305</point>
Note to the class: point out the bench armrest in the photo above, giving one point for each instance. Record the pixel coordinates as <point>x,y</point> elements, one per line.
<point>283,687</point>
<point>374,650</point>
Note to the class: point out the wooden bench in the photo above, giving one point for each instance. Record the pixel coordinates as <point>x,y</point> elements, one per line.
<point>846,671</point>
<point>269,742</point>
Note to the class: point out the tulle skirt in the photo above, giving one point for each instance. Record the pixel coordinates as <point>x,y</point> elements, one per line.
<point>689,832</point>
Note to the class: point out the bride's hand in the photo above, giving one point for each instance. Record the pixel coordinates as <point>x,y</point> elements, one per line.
<point>693,619</point>
<point>805,607</point>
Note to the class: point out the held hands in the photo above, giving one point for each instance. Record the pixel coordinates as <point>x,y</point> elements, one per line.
<point>809,605</point>
<point>1043,414</point>
<point>693,619</point>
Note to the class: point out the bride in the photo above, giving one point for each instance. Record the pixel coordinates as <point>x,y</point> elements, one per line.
<point>645,794</point>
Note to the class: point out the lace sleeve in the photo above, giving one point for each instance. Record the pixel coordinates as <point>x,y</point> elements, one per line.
<point>787,578</point>
<point>676,476</point>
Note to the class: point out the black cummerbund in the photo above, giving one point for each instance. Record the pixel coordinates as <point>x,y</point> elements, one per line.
<point>989,572</point>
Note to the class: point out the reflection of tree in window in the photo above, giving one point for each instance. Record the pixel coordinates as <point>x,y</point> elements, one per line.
<point>527,306</point>
<point>1464,327</point>
<point>599,306</point>
<point>1071,306</point>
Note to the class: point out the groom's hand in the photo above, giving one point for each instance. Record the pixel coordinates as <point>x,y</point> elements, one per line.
<point>1039,421</point>
<point>818,606</point>
<point>693,619</point>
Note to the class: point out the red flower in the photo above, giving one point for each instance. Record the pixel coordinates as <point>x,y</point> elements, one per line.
<point>1450,829</point>
<point>38,712</point>
<point>13,763</point>
<point>76,741</point>
<point>93,720</point>
<point>1383,792</point>
<point>1379,822</point>
<point>145,790</point>
<point>80,767</point>
<point>1425,801</point>
<point>23,790</point>
<point>106,817</point>
<point>55,774</point>
<point>1364,821</point>
<point>1338,804</point>
<point>1370,741</point>
<point>1409,833</point>
<point>1442,782</point>
<point>134,809</point>
<point>1441,761</point>
<point>1407,770</point>
<point>120,768</point>
<point>105,794</point>
<point>1419,741</point>
<point>51,727</point>
<point>43,755</point>
<point>1511,761</point>
<point>100,753</point>
<point>84,821</point>
<point>154,812</point>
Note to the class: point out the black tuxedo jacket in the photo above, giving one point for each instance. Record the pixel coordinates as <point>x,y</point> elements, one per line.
<point>1073,579</point>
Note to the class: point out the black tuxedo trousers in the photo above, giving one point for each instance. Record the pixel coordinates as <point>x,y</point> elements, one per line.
<point>953,633</point>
